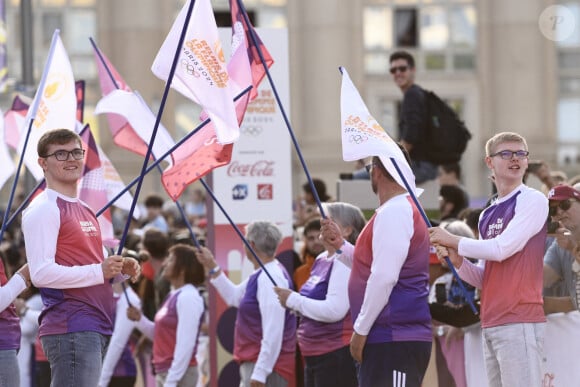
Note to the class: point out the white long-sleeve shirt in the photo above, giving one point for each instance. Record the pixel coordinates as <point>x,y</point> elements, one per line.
<point>273,315</point>
<point>121,333</point>
<point>334,306</point>
<point>11,290</point>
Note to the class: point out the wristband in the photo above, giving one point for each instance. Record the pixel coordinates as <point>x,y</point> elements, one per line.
<point>214,271</point>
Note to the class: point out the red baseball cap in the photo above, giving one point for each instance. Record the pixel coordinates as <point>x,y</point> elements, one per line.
<point>563,192</point>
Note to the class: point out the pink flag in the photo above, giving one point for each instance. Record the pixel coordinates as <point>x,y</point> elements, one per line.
<point>53,106</point>
<point>123,133</point>
<point>92,188</point>
<point>362,136</point>
<point>257,69</point>
<point>201,73</point>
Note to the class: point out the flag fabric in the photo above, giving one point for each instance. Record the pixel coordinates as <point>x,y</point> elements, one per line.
<point>202,153</point>
<point>123,133</point>
<point>8,168</point>
<point>201,73</point>
<point>80,95</point>
<point>14,121</point>
<point>91,188</point>
<point>362,136</point>
<point>54,105</point>
<point>135,111</point>
<point>3,58</point>
<point>257,68</point>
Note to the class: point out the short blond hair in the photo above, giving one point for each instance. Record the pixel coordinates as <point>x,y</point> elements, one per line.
<point>502,137</point>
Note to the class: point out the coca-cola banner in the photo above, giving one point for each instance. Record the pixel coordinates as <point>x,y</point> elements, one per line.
<point>256,185</point>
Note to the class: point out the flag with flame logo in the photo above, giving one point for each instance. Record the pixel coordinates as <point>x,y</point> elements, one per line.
<point>201,73</point>
<point>362,136</point>
<point>54,105</point>
<point>241,23</point>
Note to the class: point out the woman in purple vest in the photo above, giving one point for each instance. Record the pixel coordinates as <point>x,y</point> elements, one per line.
<point>10,324</point>
<point>325,325</point>
<point>177,322</point>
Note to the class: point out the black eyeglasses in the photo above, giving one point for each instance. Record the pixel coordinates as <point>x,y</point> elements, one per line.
<point>508,154</point>
<point>400,69</point>
<point>564,205</point>
<point>370,166</point>
<point>62,155</point>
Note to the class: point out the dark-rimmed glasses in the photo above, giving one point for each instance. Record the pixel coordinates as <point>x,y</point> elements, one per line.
<point>400,69</point>
<point>564,205</point>
<point>370,166</point>
<point>63,155</point>
<point>508,154</point>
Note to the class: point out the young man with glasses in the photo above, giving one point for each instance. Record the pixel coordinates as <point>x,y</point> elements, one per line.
<point>512,240</point>
<point>66,258</point>
<point>561,258</point>
<point>413,117</point>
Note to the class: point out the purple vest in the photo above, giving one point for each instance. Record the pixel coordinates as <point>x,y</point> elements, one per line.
<point>316,337</point>
<point>248,330</point>
<point>406,316</point>
<point>9,321</point>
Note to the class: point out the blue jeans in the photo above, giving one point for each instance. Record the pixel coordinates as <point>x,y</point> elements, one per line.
<point>9,374</point>
<point>75,358</point>
<point>514,354</point>
<point>333,369</point>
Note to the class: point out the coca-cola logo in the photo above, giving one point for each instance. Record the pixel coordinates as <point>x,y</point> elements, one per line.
<point>259,168</point>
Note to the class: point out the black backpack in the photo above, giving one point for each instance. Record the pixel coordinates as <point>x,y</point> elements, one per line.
<point>447,135</point>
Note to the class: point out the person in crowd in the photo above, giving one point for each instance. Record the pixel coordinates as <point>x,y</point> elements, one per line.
<point>177,323</point>
<point>310,250</point>
<point>119,369</point>
<point>306,206</point>
<point>265,334</point>
<point>451,202</point>
<point>388,287</point>
<point>512,238</point>
<point>154,214</point>
<point>450,174</point>
<point>196,207</point>
<point>325,325</point>
<point>413,121</point>
<point>65,255</point>
<point>154,287</point>
<point>28,306</point>
<point>560,261</point>
<point>10,324</point>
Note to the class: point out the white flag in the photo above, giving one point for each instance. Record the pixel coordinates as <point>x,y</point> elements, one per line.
<point>8,168</point>
<point>201,73</point>
<point>131,106</point>
<point>362,136</point>
<point>54,105</point>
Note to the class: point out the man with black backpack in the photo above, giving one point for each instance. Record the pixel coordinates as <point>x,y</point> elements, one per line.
<point>429,129</point>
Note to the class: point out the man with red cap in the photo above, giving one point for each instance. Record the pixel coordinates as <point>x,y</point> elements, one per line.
<point>562,259</point>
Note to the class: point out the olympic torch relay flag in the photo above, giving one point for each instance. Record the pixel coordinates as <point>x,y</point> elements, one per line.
<point>123,133</point>
<point>14,121</point>
<point>54,105</point>
<point>201,73</point>
<point>135,111</point>
<point>362,136</point>
<point>240,22</point>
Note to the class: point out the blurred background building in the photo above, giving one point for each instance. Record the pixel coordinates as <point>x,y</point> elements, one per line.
<point>489,58</point>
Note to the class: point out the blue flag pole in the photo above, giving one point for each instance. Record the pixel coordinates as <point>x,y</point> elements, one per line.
<point>428,223</point>
<point>177,203</point>
<point>155,128</point>
<point>284,115</point>
<point>209,191</point>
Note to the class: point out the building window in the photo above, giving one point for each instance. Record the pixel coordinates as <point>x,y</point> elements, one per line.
<point>442,34</point>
